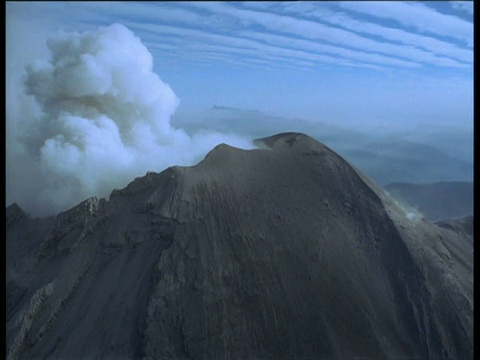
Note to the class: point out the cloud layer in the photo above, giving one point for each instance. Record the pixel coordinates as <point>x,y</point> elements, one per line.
<point>105,118</point>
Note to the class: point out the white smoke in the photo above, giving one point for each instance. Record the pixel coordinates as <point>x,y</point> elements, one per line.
<point>410,213</point>
<point>412,216</point>
<point>105,119</point>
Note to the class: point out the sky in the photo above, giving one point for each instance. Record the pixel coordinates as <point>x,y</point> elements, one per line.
<point>91,87</point>
<point>351,63</point>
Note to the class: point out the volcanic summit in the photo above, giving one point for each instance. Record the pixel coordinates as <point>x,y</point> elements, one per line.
<point>281,252</point>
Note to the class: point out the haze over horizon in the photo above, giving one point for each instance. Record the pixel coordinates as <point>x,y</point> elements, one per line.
<point>384,67</point>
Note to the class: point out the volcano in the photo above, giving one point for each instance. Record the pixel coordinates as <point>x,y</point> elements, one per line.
<point>281,252</point>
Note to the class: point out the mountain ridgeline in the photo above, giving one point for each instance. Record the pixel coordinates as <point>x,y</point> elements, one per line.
<point>281,252</point>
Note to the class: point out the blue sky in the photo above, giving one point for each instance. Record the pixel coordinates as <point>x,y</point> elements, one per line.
<point>368,65</point>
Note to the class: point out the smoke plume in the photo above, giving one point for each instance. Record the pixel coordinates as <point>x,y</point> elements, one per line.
<point>105,119</point>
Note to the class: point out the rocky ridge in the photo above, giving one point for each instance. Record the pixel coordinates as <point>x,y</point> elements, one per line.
<point>285,251</point>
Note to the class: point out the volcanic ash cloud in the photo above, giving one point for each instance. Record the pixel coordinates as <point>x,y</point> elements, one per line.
<point>105,120</point>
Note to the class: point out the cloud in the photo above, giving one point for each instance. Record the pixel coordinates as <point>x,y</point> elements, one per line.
<point>104,119</point>
<point>466,6</point>
<point>350,45</point>
<point>198,40</point>
<point>335,37</point>
<point>416,16</point>
<point>276,50</point>
<point>431,44</point>
<point>315,47</point>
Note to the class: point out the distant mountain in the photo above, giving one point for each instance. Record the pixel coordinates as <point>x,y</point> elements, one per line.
<point>437,201</point>
<point>385,159</point>
<point>281,252</point>
<point>252,123</point>
<point>456,142</point>
<point>404,161</point>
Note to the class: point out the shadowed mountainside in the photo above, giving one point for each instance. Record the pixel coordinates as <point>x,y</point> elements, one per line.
<point>282,252</point>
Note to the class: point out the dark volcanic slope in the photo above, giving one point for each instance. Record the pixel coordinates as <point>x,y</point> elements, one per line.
<point>284,252</point>
<point>437,201</point>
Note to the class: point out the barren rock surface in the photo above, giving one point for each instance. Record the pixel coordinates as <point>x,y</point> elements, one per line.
<point>282,252</point>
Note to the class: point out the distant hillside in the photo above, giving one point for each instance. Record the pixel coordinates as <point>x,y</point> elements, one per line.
<point>437,201</point>
<point>407,162</point>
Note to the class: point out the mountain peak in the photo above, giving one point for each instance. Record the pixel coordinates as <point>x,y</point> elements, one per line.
<point>280,253</point>
<point>282,140</point>
<point>14,213</point>
<point>293,141</point>
<point>222,155</point>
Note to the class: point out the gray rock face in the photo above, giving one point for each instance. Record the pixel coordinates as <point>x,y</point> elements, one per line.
<point>281,252</point>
